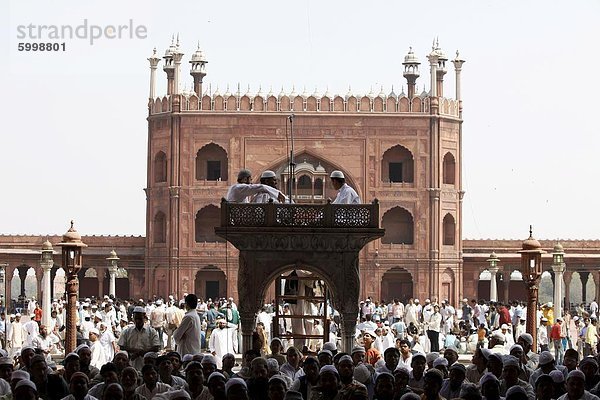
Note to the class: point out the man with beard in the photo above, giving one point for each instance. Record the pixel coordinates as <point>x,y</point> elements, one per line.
<point>345,366</point>
<point>165,369</point>
<point>216,386</point>
<point>49,386</point>
<point>78,386</point>
<point>259,380</point>
<point>277,387</point>
<point>151,386</point>
<point>384,386</point>
<point>391,356</point>
<point>43,342</point>
<point>546,365</point>
<point>401,376</point>
<point>432,383</point>
<point>240,191</point>
<point>138,340</point>
<point>576,387</point>
<point>307,384</point>
<point>16,335</point>
<point>530,358</point>
<point>129,381</point>
<point>195,379</point>
<point>510,378</point>
<point>478,367</point>
<point>220,342</point>
<point>85,358</point>
<point>451,387</point>
<point>292,368</point>
<point>329,384</point>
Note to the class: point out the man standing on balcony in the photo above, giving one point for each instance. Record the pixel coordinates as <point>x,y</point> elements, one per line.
<point>270,179</point>
<point>239,192</point>
<point>346,195</point>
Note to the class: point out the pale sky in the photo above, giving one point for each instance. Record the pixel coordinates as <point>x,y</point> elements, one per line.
<point>74,132</point>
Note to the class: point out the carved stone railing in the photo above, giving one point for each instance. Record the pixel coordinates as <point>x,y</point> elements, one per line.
<point>300,215</point>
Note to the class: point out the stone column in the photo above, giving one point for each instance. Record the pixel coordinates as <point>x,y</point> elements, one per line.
<point>247,319</point>
<point>506,276</point>
<point>22,275</point>
<point>348,331</point>
<point>46,265</point>
<point>567,279</point>
<point>493,284</point>
<point>558,269</point>
<point>597,282</point>
<point>584,280</point>
<point>112,287</point>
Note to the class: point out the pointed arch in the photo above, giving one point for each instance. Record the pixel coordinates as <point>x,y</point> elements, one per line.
<point>159,230</point>
<point>449,230</point>
<point>397,165</point>
<point>449,169</point>
<point>211,163</point>
<point>207,218</point>
<point>399,228</point>
<point>160,167</point>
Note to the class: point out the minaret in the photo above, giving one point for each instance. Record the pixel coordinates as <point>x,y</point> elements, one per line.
<point>169,67</point>
<point>154,60</point>
<point>411,71</point>
<point>433,65</point>
<point>198,71</point>
<point>177,56</point>
<point>441,69</point>
<point>458,62</point>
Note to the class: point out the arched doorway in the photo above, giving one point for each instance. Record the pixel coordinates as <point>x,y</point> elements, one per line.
<point>59,283</point>
<point>447,286</point>
<point>397,283</point>
<point>516,287</point>
<point>210,283</point>
<point>121,284</point>
<point>88,284</point>
<point>483,285</point>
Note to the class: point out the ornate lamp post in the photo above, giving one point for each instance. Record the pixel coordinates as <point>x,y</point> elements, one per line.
<point>72,247</point>
<point>46,262</point>
<point>493,261</point>
<point>6,303</point>
<point>531,269</point>
<point>112,273</point>
<point>558,266</point>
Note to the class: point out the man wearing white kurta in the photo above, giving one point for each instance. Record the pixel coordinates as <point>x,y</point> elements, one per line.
<point>138,340</point>
<point>270,179</point>
<point>98,355</point>
<point>239,192</point>
<point>346,195</point>
<point>187,335</point>
<point>221,341</point>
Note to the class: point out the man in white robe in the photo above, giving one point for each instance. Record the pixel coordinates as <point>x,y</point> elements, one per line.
<point>346,195</point>
<point>239,192</point>
<point>221,341</point>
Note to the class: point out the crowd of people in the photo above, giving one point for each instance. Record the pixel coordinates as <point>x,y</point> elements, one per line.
<point>186,349</point>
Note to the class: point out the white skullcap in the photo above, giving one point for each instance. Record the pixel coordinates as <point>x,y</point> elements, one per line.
<point>244,173</point>
<point>234,382</point>
<point>19,374</point>
<point>281,379</point>
<point>576,374</point>
<point>557,376</point>
<point>178,394</point>
<point>267,174</point>
<point>545,358</point>
<point>328,368</point>
<point>139,309</point>
<point>440,361</point>
<point>488,377</point>
<point>431,357</point>
<point>504,326</point>
<point>209,359</point>
<point>345,357</point>
<point>95,331</point>
<point>526,337</point>
<point>215,375</point>
<point>28,383</point>
<point>515,346</point>
<point>510,361</point>
<point>362,373</point>
<point>337,174</point>
<point>330,346</point>
<point>514,390</point>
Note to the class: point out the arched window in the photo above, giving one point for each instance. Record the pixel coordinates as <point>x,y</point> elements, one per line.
<point>211,163</point>
<point>449,230</point>
<point>318,186</point>
<point>397,165</point>
<point>304,185</point>
<point>206,220</point>
<point>160,167</point>
<point>399,226</point>
<point>160,228</point>
<point>449,168</point>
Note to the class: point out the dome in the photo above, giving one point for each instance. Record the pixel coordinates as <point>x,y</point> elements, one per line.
<point>320,168</point>
<point>371,95</point>
<point>558,248</point>
<point>72,238</point>
<point>410,58</point>
<point>282,93</point>
<point>392,94</point>
<point>47,246</point>
<point>305,166</point>
<point>113,255</point>
<point>349,94</point>
<point>381,93</point>
<point>530,243</point>
<point>198,56</point>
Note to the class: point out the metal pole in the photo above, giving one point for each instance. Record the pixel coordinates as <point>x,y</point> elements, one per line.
<point>292,163</point>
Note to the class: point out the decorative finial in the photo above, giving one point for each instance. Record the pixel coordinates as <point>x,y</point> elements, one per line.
<point>530,231</point>
<point>457,54</point>
<point>433,44</point>
<point>437,42</point>
<point>198,45</point>
<point>72,222</point>
<point>177,39</point>
<point>154,51</point>
<point>410,49</point>
<point>172,39</point>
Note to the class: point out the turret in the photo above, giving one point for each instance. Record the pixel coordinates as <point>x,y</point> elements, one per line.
<point>458,62</point>
<point>198,70</point>
<point>169,66</point>
<point>411,71</point>
<point>177,56</point>
<point>441,69</point>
